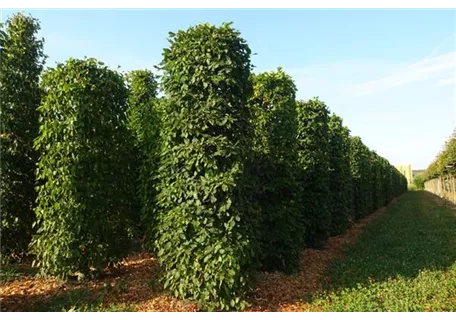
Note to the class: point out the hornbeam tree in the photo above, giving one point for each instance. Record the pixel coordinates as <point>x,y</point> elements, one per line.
<point>21,63</point>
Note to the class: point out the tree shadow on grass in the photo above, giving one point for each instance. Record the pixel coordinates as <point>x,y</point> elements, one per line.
<point>280,292</point>
<point>416,235</point>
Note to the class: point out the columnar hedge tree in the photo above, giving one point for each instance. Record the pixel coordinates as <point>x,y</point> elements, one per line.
<point>400,183</point>
<point>359,163</point>
<point>371,180</point>
<point>377,181</point>
<point>368,178</point>
<point>203,227</point>
<point>144,124</point>
<point>313,160</point>
<point>273,170</point>
<point>21,63</point>
<point>340,185</point>
<point>388,182</point>
<point>403,183</point>
<point>85,196</point>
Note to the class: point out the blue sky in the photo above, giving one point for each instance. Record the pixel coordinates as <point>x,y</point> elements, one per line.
<point>390,74</point>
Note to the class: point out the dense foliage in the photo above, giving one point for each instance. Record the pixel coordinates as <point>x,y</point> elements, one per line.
<point>273,170</point>
<point>387,181</point>
<point>85,196</point>
<point>203,234</point>
<point>445,162</point>
<point>2,42</point>
<point>340,182</point>
<point>313,149</point>
<point>21,62</point>
<point>359,167</point>
<point>375,181</point>
<point>224,174</point>
<point>144,124</point>
<point>418,181</point>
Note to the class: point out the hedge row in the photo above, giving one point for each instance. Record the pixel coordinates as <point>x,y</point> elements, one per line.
<point>224,175</point>
<point>340,180</point>
<point>444,163</point>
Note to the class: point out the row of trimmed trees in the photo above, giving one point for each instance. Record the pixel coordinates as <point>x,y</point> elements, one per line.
<point>224,175</point>
<point>444,163</point>
<point>439,177</point>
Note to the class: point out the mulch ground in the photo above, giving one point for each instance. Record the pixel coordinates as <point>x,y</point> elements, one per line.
<point>135,282</point>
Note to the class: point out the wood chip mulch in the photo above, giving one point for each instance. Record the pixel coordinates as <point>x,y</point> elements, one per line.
<point>135,282</point>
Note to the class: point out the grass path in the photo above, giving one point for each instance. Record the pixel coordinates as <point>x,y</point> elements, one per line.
<point>403,261</point>
<point>401,258</point>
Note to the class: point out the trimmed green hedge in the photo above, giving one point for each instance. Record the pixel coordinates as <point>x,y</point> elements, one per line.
<point>360,171</point>
<point>313,149</point>
<point>21,63</point>
<point>375,181</point>
<point>144,124</point>
<point>388,182</point>
<point>377,194</point>
<point>340,184</point>
<point>444,164</point>
<point>273,169</point>
<point>203,230</point>
<point>225,174</point>
<point>86,190</point>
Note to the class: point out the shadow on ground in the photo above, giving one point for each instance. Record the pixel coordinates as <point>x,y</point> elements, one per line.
<point>417,234</point>
<point>133,283</point>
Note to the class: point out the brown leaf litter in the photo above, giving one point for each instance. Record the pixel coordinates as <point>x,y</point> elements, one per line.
<point>135,282</point>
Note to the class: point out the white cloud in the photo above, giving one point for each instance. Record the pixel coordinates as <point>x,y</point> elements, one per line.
<point>333,82</point>
<point>446,82</point>
<point>380,114</point>
<point>426,69</point>
<point>449,39</point>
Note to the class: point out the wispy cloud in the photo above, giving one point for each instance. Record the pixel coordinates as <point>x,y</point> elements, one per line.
<point>334,81</point>
<point>446,82</point>
<point>381,99</point>
<point>426,69</point>
<point>446,40</point>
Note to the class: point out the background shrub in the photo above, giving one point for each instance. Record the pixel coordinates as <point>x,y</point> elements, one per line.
<point>313,161</point>
<point>144,124</point>
<point>273,169</point>
<point>340,182</point>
